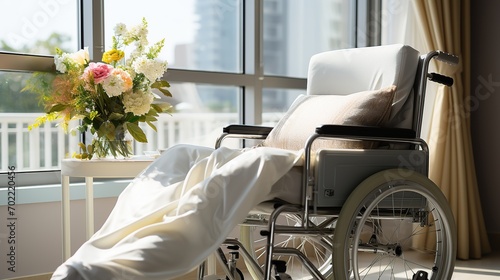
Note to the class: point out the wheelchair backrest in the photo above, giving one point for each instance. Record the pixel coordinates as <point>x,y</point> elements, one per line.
<point>347,71</point>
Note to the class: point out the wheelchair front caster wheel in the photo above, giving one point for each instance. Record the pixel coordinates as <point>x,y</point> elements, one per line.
<point>280,268</point>
<point>420,275</point>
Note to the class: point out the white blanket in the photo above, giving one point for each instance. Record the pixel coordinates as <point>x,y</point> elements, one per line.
<point>178,211</point>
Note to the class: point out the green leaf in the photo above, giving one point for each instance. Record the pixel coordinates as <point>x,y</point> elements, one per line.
<point>136,132</point>
<point>134,119</point>
<point>86,120</point>
<point>145,118</point>
<point>129,117</point>
<point>164,107</point>
<point>115,116</point>
<point>57,108</point>
<point>151,125</point>
<point>165,92</point>
<point>150,118</point>
<point>152,112</point>
<point>107,129</point>
<point>161,85</point>
<point>157,108</point>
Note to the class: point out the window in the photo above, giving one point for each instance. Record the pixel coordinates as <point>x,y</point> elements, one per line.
<point>294,30</point>
<point>199,35</point>
<point>276,102</point>
<point>36,27</point>
<point>298,29</point>
<point>230,61</point>
<point>18,147</point>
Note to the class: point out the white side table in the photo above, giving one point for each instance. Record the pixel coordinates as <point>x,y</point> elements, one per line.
<point>90,169</point>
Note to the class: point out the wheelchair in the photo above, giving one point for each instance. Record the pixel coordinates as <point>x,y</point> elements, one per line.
<point>369,213</point>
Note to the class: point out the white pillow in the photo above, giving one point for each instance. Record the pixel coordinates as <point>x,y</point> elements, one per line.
<point>367,108</point>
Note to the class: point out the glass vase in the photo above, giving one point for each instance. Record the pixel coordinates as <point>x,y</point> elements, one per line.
<point>119,148</point>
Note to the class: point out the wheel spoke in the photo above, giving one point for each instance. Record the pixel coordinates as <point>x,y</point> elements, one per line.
<point>316,248</point>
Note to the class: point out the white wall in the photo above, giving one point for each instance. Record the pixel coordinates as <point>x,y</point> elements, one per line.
<point>38,234</point>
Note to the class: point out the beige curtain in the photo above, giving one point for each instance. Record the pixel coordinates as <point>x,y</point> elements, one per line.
<point>445,25</point>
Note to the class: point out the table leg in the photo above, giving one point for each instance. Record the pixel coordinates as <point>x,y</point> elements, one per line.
<point>89,205</point>
<point>211,264</point>
<point>65,202</point>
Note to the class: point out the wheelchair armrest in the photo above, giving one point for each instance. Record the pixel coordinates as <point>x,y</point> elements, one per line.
<point>243,132</point>
<point>247,129</point>
<point>365,131</point>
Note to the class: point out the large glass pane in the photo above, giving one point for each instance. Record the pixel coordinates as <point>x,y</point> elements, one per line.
<point>34,26</point>
<point>200,112</point>
<point>40,148</point>
<point>294,30</point>
<point>398,23</point>
<point>276,102</point>
<point>199,34</point>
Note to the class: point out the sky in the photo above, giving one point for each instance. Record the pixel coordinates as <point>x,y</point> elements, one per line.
<point>26,21</point>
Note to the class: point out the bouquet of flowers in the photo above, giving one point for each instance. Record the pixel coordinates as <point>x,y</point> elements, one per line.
<point>110,97</point>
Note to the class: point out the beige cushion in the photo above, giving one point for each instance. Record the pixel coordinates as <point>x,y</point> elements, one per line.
<point>367,108</point>
<point>346,71</point>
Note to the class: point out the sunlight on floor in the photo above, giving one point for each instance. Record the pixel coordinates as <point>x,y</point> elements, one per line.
<point>484,269</point>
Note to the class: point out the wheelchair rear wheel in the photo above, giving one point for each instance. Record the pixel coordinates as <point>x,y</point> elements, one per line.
<point>394,224</point>
<point>316,248</point>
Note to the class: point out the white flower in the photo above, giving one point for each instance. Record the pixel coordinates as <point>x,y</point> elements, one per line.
<point>65,60</point>
<point>137,34</point>
<point>113,85</point>
<point>140,32</point>
<point>60,62</point>
<point>143,41</point>
<point>81,57</point>
<point>135,54</point>
<point>153,69</point>
<point>120,29</point>
<point>137,103</point>
<point>131,73</point>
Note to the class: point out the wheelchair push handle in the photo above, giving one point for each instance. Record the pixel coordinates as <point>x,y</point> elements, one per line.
<point>442,79</point>
<point>446,58</point>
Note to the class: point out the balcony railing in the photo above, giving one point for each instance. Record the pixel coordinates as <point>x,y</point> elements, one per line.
<point>43,148</point>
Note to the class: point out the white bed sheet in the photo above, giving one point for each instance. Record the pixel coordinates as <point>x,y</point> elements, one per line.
<point>178,211</point>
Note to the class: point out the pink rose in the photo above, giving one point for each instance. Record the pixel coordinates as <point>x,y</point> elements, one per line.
<point>99,71</point>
